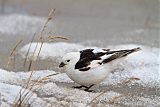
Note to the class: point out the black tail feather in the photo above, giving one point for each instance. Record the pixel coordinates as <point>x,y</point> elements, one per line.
<point>119,54</point>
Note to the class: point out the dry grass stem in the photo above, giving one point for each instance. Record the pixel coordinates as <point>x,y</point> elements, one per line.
<point>57,37</point>
<point>30,64</point>
<point>25,60</point>
<point>14,49</point>
<point>52,12</point>
<point>13,52</point>
<point>92,101</point>
<point>129,80</point>
<point>32,86</point>
<point>26,93</point>
<point>17,99</point>
<point>112,101</point>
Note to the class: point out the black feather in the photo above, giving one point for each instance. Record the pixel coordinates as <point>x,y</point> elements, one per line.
<point>119,54</point>
<point>86,57</point>
<point>84,69</point>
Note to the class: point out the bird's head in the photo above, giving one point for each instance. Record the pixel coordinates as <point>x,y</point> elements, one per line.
<point>69,60</point>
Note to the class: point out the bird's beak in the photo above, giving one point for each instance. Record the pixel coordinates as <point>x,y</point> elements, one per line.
<point>62,64</point>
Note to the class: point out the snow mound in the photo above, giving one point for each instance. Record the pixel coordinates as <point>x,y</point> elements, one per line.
<point>49,94</point>
<point>57,91</point>
<point>49,50</point>
<point>19,78</point>
<point>9,92</point>
<point>20,24</point>
<point>143,64</point>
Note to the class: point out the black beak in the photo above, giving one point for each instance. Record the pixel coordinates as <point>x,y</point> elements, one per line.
<point>62,64</point>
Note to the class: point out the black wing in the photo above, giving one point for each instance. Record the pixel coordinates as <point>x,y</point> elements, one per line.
<point>86,57</point>
<point>119,54</point>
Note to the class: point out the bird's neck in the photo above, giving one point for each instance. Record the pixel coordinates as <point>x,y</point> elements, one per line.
<point>70,68</point>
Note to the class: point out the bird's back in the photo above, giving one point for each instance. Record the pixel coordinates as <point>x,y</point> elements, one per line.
<point>90,59</point>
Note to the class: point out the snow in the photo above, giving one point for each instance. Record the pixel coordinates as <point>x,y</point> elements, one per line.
<point>143,64</point>
<point>9,92</point>
<point>17,78</point>
<point>57,91</point>
<point>49,92</point>
<point>49,50</point>
<point>11,24</point>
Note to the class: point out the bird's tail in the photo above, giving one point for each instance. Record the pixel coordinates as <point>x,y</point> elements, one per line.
<point>119,54</point>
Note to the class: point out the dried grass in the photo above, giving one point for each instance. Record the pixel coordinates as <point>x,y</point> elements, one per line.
<point>57,37</point>
<point>44,27</point>
<point>12,53</point>
<point>26,92</point>
<point>25,61</point>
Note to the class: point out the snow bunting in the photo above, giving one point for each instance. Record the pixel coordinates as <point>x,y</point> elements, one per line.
<point>90,66</point>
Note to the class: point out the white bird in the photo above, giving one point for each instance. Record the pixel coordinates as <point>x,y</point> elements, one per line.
<point>89,67</point>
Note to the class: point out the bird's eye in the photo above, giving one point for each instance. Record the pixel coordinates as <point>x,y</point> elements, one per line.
<point>68,60</point>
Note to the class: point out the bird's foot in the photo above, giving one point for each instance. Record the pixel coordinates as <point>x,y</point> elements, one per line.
<point>87,90</point>
<point>78,87</point>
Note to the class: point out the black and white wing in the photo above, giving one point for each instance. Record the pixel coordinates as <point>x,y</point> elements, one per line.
<point>90,58</point>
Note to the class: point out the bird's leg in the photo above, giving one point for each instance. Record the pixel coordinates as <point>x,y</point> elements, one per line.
<point>78,86</point>
<point>87,88</point>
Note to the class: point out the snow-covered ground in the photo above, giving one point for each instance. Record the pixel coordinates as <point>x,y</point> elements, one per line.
<point>91,23</point>
<point>58,91</point>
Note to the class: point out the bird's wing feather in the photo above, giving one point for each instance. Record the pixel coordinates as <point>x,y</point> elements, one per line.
<point>119,54</point>
<point>87,56</point>
<point>89,59</point>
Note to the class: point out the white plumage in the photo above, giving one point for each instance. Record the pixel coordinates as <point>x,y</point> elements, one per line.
<point>89,67</point>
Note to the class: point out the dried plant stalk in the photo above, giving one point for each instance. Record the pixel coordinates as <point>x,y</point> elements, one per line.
<point>43,28</point>
<point>41,38</point>
<point>12,52</point>
<point>25,95</point>
<point>28,51</point>
<point>57,37</point>
<point>115,98</point>
<point>14,49</point>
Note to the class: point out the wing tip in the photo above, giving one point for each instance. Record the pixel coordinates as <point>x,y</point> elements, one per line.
<point>136,49</point>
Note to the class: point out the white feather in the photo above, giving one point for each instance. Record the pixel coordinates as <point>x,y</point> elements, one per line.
<point>96,73</point>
